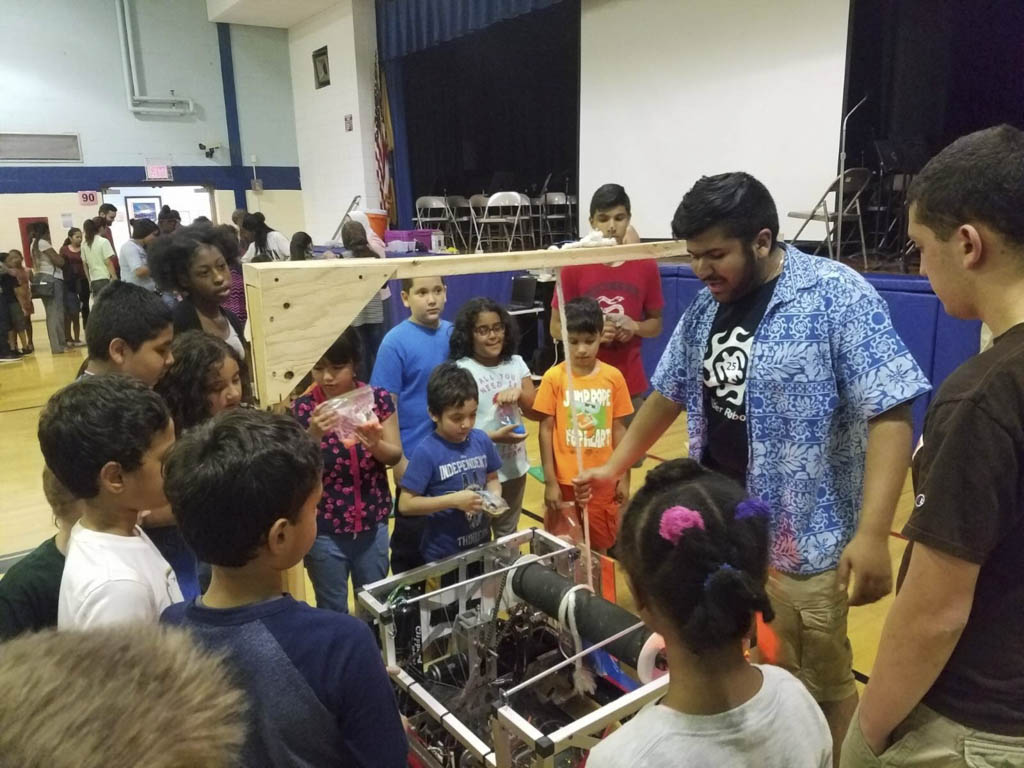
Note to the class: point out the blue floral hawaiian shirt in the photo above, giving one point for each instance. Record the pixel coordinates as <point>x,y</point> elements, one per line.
<point>825,360</point>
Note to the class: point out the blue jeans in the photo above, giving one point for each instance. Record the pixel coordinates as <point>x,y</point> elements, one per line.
<point>335,556</point>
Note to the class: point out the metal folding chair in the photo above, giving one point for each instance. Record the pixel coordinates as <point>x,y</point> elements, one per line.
<point>855,181</point>
<point>432,213</point>
<point>503,214</point>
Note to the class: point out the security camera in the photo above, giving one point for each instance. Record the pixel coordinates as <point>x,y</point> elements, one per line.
<point>209,150</point>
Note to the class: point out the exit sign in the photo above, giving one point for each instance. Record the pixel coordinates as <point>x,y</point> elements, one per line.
<point>159,173</point>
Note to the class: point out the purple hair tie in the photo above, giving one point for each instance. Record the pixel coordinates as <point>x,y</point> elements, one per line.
<point>676,520</point>
<point>752,508</point>
<point>710,576</point>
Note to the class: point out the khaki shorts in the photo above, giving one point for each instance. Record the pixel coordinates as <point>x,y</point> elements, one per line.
<point>926,738</point>
<point>808,635</point>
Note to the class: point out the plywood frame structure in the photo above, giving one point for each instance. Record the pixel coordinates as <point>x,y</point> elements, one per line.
<point>298,308</point>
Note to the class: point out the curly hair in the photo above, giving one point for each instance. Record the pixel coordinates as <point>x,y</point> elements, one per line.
<point>170,256</point>
<point>141,695</point>
<point>186,384</point>
<point>230,478</point>
<point>95,420</point>
<point>449,386</point>
<point>461,343</point>
<point>707,580</point>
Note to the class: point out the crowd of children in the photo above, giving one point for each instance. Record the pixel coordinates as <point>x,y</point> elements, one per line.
<point>152,468</point>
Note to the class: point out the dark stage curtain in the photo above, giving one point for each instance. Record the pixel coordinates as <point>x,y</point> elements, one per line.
<point>407,26</point>
<point>498,109</point>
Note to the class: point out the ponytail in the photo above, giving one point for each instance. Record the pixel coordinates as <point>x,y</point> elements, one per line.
<point>90,230</point>
<point>256,223</point>
<point>696,547</point>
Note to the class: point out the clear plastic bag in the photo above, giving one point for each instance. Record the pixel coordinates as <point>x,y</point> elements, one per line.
<point>508,415</point>
<point>351,410</point>
<point>494,504</point>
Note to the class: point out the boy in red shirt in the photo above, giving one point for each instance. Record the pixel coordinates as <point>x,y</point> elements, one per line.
<point>629,293</point>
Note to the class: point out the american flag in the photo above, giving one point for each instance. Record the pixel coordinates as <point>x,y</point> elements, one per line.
<point>382,140</point>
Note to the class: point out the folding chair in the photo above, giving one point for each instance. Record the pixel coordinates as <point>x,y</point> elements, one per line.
<point>432,213</point>
<point>556,216</point>
<point>477,206</point>
<point>526,222</point>
<point>502,213</point>
<point>855,181</point>
<point>461,215</point>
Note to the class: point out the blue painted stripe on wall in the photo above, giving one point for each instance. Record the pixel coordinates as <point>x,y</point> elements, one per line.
<point>227,75</point>
<point>23,179</point>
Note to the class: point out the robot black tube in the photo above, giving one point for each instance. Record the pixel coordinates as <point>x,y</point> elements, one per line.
<point>596,618</point>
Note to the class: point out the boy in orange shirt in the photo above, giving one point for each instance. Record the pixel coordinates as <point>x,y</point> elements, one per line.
<point>602,404</point>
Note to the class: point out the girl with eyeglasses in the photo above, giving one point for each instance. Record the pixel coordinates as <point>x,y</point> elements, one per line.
<point>484,342</point>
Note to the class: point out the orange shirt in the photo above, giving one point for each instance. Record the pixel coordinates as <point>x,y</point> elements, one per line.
<point>601,397</point>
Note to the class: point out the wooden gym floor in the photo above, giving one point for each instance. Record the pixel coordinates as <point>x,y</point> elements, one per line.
<point>25,519</point>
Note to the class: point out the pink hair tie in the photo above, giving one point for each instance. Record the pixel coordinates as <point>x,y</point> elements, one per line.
<point>676,520</point>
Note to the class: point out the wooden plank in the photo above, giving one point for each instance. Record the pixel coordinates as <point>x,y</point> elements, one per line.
<point>298,308</point>
<point>295,315</point>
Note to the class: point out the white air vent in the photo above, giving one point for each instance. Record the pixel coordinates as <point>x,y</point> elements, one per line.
<point>40,147</point>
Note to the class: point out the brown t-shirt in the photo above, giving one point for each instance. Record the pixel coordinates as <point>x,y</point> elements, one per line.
<point>969,486</point>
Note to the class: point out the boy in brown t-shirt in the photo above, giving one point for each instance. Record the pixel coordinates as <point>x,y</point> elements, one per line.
<point>948,681</point>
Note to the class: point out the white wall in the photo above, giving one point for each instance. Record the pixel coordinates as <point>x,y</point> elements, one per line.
<point>263,87</point>
<point>283,208</point>
<point>60,70</point>
<point>335,165</point>
<point>671,91</point>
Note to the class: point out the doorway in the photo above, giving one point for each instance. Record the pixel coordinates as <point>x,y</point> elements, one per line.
<point>188,200</point>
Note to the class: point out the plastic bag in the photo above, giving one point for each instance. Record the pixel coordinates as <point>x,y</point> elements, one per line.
<point>352,410</point>
<point>494,505</point>
<point>508,415</point>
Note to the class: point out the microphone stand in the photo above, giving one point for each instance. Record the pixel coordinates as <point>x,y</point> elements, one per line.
<point>841,201</point>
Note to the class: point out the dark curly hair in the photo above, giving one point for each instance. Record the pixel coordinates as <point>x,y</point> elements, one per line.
<point>711,580</point>
<point>449,386</point>
<point>230,478</point>
<point>170,256</point>
<point>186,384</point>
<point>461,343</point>
<point>96,420</point>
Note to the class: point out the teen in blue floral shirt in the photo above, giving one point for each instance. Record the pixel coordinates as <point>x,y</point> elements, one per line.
<point>796,384</point>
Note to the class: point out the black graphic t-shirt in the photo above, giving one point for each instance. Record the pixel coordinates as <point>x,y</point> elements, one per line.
<point>726,362</point>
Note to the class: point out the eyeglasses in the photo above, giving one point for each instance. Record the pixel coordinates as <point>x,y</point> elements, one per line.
<point>487,330</point>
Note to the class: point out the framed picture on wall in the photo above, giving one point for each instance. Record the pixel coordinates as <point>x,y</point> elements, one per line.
<point>321,68</point>
<point>142,207</point>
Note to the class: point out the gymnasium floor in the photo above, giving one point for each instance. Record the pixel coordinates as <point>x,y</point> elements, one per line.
<point>25,520</point>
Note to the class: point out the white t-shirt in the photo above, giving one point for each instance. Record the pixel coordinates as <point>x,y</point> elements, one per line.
<point>234,342</point>
<point>491,380</point>
<point>780,727</point>
<point>111,579</point>
<point>131,257</point>
<point>43,265</point>
<point>279,248</point>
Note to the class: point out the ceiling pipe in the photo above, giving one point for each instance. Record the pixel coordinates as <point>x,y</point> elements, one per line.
<point>137,104</point>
